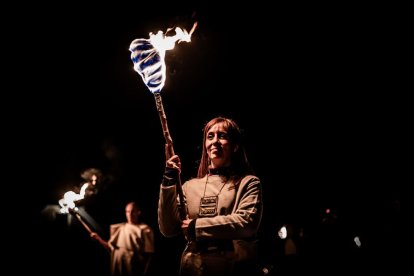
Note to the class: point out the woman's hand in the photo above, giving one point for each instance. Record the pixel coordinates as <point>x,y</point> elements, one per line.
<point>184,226</point>
<point>174,161</point>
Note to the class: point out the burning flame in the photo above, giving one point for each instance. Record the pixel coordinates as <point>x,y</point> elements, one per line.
<point>69,198</point>
<point>148,55</point>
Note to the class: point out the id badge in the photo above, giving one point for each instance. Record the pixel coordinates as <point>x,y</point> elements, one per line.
<point>208,206</point>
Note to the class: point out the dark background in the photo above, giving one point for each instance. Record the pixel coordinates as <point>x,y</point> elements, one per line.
<point>319,93</point>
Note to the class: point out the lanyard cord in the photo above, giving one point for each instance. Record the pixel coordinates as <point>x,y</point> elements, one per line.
<point>205,187</point>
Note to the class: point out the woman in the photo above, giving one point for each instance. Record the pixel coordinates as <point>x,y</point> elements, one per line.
<point>223,204</point>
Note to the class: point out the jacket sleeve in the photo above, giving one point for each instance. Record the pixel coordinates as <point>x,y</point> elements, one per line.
<point>168,215</point>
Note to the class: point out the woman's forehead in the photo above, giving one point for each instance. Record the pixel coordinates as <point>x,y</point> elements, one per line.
<point>217,127</point>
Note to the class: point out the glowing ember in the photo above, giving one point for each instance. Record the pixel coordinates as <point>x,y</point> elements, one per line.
<point>148,55</point>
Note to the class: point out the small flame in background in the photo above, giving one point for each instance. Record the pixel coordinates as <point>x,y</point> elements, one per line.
<point>148,55</point>
<point>70,197</point>
<point>282,233</point>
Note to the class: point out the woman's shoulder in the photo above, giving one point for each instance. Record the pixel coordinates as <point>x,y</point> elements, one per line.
<point>250,177</point>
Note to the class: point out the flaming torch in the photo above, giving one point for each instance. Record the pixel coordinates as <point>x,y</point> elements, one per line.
<point>148,58</point>
<point>68,205</point>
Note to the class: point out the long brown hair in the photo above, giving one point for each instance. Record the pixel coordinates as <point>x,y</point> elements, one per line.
<point>239,165</point>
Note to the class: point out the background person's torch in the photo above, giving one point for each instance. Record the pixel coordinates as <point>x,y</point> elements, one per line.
<point>148,58</point>
<point>68,205</point>
<point>75,213</point>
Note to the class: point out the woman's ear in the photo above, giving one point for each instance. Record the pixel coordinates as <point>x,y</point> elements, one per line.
<point>236,147</point>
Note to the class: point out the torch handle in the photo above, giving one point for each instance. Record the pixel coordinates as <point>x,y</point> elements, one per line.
<point>79,217</point>
<point>169,141</point>
<point>163,118</point>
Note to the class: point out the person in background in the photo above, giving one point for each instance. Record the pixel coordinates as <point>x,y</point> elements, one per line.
<point>223,204</point>
<point>131,244</point>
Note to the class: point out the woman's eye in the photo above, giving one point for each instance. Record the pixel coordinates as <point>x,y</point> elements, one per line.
<point>223,136</point>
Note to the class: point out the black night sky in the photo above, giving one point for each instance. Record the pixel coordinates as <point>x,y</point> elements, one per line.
<point>319,96</point>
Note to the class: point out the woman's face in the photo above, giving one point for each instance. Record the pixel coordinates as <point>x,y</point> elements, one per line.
<point>218,146</point>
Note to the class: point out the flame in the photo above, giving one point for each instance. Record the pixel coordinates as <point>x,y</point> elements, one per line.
<point>69,198</point>
<point>282,233</point>
<point>148,55</point>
